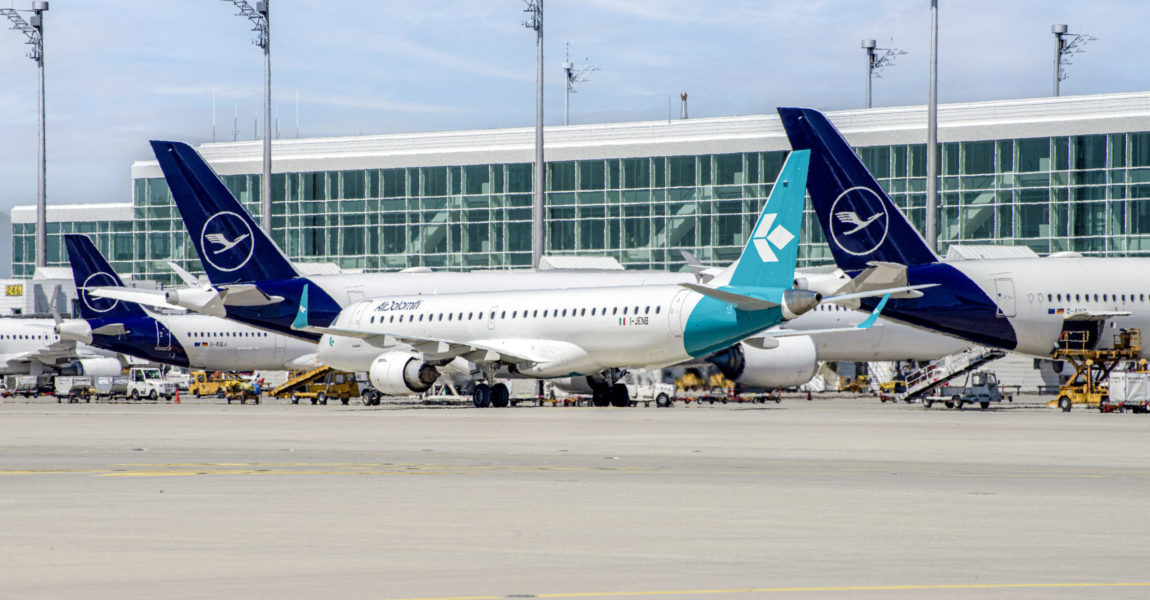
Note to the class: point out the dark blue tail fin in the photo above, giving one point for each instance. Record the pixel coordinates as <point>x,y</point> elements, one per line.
<point>231,245</point>
<point>90,270</point>
<point>860,221</point>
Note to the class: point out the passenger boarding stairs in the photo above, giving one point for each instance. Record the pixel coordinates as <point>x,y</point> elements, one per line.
<point>935,373</point>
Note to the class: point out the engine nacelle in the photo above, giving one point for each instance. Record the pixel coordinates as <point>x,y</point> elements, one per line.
<point>793,362</point>
<point>797,302</point>
<point>77,330</point>
<point>203,300</point>
<point>94,367</point>
<point>401,373</point>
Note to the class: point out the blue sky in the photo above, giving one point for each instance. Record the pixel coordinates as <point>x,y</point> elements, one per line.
<point>122,72</point>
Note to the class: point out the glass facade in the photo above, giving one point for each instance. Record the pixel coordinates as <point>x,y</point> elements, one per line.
<point>1089,194</point>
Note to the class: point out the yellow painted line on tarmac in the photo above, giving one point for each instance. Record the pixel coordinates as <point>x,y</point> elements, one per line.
<point>786,590</point>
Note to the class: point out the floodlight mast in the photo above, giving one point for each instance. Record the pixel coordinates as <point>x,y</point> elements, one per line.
<point>33,29</point>
<point>931,224</point>
<point>573,76</point>
<point>535,21</point>
<point>1066,45</point>
<point>876,62</point>
<point>260,18</point>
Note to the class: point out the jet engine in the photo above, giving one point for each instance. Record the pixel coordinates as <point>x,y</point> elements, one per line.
<point>94,367</point>
<point>793,362</point>
<point>401,373</point>
<point>797,302</point>
<point>200,299</point>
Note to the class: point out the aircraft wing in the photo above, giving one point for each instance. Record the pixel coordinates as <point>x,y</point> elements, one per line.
<point>153,298</point>
<point>49,354</point>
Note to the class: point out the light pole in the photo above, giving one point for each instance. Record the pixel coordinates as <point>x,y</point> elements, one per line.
<point>931,224</point>
<point>535,21</point>
<point>259,16</point>
<point>572,78</point>
<point>34,30</point>
<point>1066,45</point>
<point>876,62</point>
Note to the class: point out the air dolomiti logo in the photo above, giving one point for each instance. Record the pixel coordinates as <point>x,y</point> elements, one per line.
<point>765,238</point>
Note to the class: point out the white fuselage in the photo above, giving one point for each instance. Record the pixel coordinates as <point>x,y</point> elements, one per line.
<point>1031,292</point>
<point>24,347</point>
<point>573,331</point>
<point>885,340</point>
<point>218,344</point>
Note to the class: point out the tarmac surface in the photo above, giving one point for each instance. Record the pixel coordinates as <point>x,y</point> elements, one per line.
<point>836,498</point>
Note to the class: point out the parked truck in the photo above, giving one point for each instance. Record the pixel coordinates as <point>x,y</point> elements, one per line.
<point>148,382</point>
<point>981,388</point>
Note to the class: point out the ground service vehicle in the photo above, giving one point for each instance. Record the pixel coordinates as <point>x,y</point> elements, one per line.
<point>147,382</point>
<point>74,388</point>
<point>981,387</point>
<point>319,385</point>
<point>222,385</point>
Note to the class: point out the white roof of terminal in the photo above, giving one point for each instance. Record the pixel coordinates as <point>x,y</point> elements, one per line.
<point>113,211</point>
<point>999,119</point>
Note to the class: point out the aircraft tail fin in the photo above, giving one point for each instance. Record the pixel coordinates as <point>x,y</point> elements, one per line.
<point>860,221</point>
<point>232,247</point>
<point>91,270</point>
<point>768,259</point>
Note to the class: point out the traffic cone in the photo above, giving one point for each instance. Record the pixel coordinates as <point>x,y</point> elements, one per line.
<point>177,400</point>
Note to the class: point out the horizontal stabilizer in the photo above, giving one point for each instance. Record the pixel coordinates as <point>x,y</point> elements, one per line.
<point>153,298</point>
<point>246,294</point>
<point>906,291</point>
<point>111,329</point>
<point>740,301</point>
<point>865,325</point>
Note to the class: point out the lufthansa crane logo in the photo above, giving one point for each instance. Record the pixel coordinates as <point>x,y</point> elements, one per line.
<point>765,237</point>
<point>95,280</point>
<point>226,240</point>
<point>858,221</point>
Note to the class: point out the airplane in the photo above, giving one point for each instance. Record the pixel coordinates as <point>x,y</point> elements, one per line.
<point>28,346</point>
<point>1027,305</point>
<point>588,331</point>
<point>185,340</point>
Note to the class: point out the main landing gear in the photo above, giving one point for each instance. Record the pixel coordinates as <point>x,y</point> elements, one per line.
<point>610,392</point>
<point>491,395</point>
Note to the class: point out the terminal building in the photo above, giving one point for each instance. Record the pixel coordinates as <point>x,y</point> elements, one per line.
<point>1052,174</point>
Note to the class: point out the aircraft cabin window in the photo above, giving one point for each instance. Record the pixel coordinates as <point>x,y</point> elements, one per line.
<point>624,310</point>
<point>535,313</point>
<point>544,313</point>
<point>647,310</point>
<point>564,312</point>
<point>583,312</point>
<point>615,310</point>
<point>391,319</point>
<point>503,315</point>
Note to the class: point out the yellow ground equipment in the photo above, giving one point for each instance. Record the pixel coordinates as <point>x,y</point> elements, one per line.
<point>858,385</point>
<point>1089,385</point>
<point>318,385</point>
<point>222,385</point>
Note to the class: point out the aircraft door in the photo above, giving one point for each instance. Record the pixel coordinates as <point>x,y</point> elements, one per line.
<point>1004,290</point>
<point>163,337</point>
<point>491,317</point>
<point>357,314</point>
<point>675,318</point>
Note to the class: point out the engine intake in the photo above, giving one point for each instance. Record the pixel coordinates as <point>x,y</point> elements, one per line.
<point>401,373</point>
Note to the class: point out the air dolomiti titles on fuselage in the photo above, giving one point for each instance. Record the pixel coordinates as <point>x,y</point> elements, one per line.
<point>653,319</point>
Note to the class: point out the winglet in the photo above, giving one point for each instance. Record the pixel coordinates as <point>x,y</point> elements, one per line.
<point>870,321</point>
<point>300,321</point>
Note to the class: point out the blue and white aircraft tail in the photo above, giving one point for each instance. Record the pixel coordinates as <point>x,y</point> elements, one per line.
<point>861,222</point>
<point>90,270</point>
<point>231,245</point>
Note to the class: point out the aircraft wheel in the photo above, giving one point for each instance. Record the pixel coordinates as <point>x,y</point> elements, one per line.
<point>481,396</point>
<point>294,399</point>
<point>500,396</point>
<point>620,397</point>
<point>663,401</point>
<point>322,399</point>
<point>984,405</point>
<point>601,396</point>
<point>1064,403</point>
